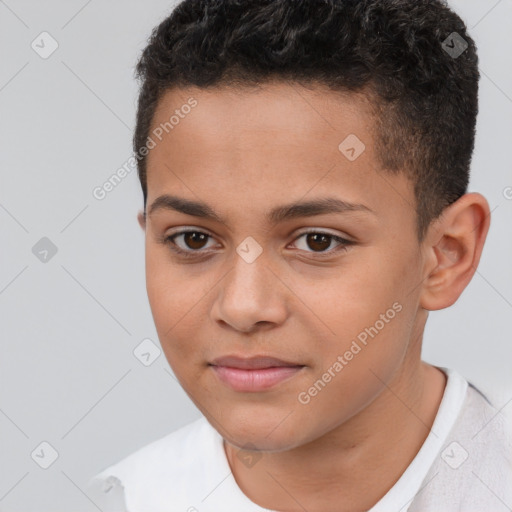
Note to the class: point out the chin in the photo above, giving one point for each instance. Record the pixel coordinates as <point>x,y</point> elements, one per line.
<point>268,435</point>
<point>261,443</point>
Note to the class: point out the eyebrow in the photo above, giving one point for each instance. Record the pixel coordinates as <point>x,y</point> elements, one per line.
<point>276,215</point>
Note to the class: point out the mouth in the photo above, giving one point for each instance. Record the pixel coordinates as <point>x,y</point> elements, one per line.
<point>253,374</point>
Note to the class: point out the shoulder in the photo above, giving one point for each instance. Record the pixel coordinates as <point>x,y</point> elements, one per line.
<point>473,469</point>
<point>172,448</point>
<point>482,422</point>
<point>479,419</point>
<point>482,435</point>
<point>168,468</point>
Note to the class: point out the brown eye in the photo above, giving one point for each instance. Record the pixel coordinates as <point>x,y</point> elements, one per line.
<point>191,243</point>
<point>195,239</point>
<point>318,241</point>
<point>320,244</point>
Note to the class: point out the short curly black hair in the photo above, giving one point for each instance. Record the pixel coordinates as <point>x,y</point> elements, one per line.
<point>412,58</point>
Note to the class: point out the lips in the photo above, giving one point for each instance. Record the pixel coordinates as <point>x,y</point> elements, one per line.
<point>252,363</point>
<point>253,374</point>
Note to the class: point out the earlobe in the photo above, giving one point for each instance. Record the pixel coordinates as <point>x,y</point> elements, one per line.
<point>455,250</point>
<point>141,217</point>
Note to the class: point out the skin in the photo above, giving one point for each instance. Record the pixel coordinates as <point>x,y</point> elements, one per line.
<point>244,152</point>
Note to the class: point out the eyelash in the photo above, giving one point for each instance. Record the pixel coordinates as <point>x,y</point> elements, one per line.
<point>169,241</point>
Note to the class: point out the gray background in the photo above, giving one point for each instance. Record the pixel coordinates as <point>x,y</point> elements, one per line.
<point>69,325</point>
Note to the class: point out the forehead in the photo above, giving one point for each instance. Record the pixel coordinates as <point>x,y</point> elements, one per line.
<point>277,111</point>
<point>267,145</point>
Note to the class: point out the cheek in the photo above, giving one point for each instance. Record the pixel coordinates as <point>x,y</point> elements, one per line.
<point>350,301</point>
<point>171,291</point>
<point>367,324</point>
<point>172,303</point>
<point>351,374</point>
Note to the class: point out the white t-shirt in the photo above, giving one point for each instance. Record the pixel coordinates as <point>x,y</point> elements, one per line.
<point>465,464</point>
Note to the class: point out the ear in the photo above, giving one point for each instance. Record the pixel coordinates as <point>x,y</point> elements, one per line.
<point>454,244</point>
<point>141,217</point>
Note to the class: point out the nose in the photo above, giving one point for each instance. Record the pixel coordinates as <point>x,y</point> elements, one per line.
<point>250,297</point>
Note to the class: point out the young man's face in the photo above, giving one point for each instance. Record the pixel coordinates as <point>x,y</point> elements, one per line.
<point>347,315</point>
